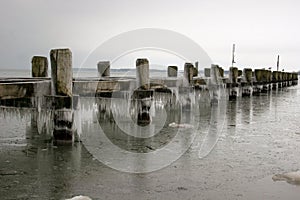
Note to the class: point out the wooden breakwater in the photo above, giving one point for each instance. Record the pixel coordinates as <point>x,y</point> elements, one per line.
<point>60,92</point>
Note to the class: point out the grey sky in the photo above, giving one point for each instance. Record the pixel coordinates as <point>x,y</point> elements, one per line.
<point>260,29</point>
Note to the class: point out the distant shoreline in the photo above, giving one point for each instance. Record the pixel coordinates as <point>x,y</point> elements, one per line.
<point>117,70</point>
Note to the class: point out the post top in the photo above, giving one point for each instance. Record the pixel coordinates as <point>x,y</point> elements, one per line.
<point>142,61</point>
<point>233,68</point>
<point>61,50</point>
<point>213,65</point>
<point>188,64</point>
<point>104,62</point>
<point>35,58</point>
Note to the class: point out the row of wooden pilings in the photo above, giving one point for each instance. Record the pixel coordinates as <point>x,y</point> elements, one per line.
<point>63,102</point>
<point>247,82</point>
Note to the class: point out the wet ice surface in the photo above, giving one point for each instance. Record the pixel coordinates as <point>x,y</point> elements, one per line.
<point>260,138</point>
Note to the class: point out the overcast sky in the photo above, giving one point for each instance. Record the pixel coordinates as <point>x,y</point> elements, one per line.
<point>261,29</point>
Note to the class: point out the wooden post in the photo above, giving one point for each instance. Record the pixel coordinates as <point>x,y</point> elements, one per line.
<point>195,74</point>
<point>207,72</point>
<point>258,84</point>
<point>275,79</point>
<point>247,82</point>
<point>188,73</point>
<point>233,74</point>
<point>290,78</point>
<point>214,82</point>
<point>62,78</point>
<point>143,94</point>
<point>142,73</point>
<point>143,99</point>
<point>240,73</point>
<point>264,76</point>
<point>39,66</point>
<point>269,79</point>
<point>295,78</point>
<point>233,85</point>
<point>221,72</point>
<point>172,71</point>
<point>280,80</point>
<point>103,68</point>
<point>61,71</point>
<point>284,79</point>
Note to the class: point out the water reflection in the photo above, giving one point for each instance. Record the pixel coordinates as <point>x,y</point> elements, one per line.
<point>119,142</point>
<point>246,110</point>
<point>54,166</point>
<point>232,113</point>
<point>45,168</point>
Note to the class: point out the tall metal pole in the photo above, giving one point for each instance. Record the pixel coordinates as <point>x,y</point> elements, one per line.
<point>278,63</point>
<point>233,52</point>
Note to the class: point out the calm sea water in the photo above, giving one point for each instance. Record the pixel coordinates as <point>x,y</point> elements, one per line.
<point>14,73</point>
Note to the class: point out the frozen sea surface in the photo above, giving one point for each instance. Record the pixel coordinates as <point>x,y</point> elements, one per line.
<point>260,138</point>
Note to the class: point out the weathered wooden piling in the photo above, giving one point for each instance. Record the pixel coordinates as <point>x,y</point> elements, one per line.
<point>290,78</point>
<point>62,78</point>
<point>284,79</point>
<point>233,74</point>
<point>258,81</point>
<point>232,84</point>
<point>279,83</point>
<point>143,95</point>
<point>247,82</point>
<point>287,79</point>
<point>188,73</point>
<point>207,72</point>
<point>172,71</point>
<point>295,78</point>
<point>214,73</point>
<point>240,73</point>
<point>142,73</point>
<point>264,80</point>
<point>221,71</point>
<point>214,83</point>
<point>286,75</point>
<point>195,74</point>
<point>61,71</point>
<point>142,100</point>
<point>39,66</point>
<point>275,79</point>
<point>269,79</point>
<point>103,68</point>
<point>63,118</point>
<point>247,75</point>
